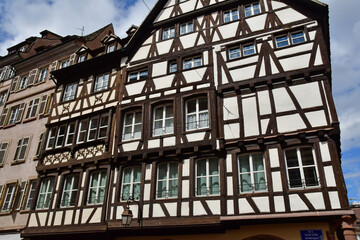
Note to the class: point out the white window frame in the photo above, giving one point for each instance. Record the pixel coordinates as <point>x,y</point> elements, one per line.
<point>38,149</point>
<point>51,138</point>
<point>68,133</point>
<point>72,192</point>
<point>254,9</point>
<point>69,92</point>
<point>60,136</point>
<point>241,51</point>
<point>14,112</point>
<point>231,15</point>
<point>3,151</point>
<point>30,194</point>
<point>82,131</point>
<point>301,168</point>
<point>3,95</point>
<point>189,63</point>
<point>92,128</point>
<point>289,39</point>
<point>110,48</point>
<point>32,108</point>
<point>132,125</point>
<point>167,180</point>
<point>22,146</point>
<point>81,58</point>
<point>47,193</point>
<point>293,38</point>
<point>9,197</point>
<point>173,67</point>
<point>64,64</point>
<point>20,195</point>
<point>252,173</point>
<point>23,83</point>
<point>138,75</point>
<point>101,126</point>
<point>101,82</point>
<point>97,188</point>
<point>164,129</point>
<point>186,28</point>
<point>197,114</point>
<point>42,75</point>
<point>168,33</point>
<point>132,184</point>
<point>207,177</point>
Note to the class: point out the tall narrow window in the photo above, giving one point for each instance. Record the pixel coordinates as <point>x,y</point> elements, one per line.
<point>103,126</point>
<point>3,150</point>
<point>96,193</point>
<point>163,120</point>
<point>21,149</point>
<point>167,180</point>
<point>82,131</point>
<point>30,194</point>
<point>70,190</point>
<point>207,177</point>
<point>101,82</point>
<point>70,133</point>
<point>93,125</point>
<point>69,92</point>
<point>9,197</point>
<point>3,97</point>
<point>252,173</point>
<point>301,167</point>
<point>132,125</point>
<point>51,138</point>
<point>23,83</point>
<point>252,9</point>
<point>45,194</point>
<point>131,183</point>
<point>231,15</point>
<point>60,136</point>
<point>197,114</point>
<point>42,75</point>
<point>32,108</point>
<point>19,199</point>
<point>38,149</point>
<point>14,114</point>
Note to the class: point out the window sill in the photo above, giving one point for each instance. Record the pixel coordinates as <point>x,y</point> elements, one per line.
<point>196,130</point>
<point>9,126</point>
<point>233,21</point>
<point>135,81</point>
<point>193,68</point>
<point>100,91</point>
<point>130,140</point>
<point>289,46</point>
<point>17,162</point>
<point>29,119</point>
<point>240,58</point>
<point>162,136</point>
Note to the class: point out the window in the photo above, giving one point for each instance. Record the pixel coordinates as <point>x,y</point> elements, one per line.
<point>92,128</point>
<point>38,149</point>
<point>81,58</point>
<point>82,131</point>
<point>186,28</point>
<point>231,15</point>
<point>101,82</point>
<point>103,127</point>
<point>45,104</point>
<point>163,120</point>
<point>69,92</point>
<point>70,190</point>
<point>252,173</point>
<point>242,50</point>
<point>290,39</point>
<point>192,62</point>
<point>21,149</point>
<point>51,138</point>
<point>110,48</point>
<point>19,199</point>
<point>97,188</point>
<point>16,114</point>
<point>8,197</point>
<point>197,114</point>
<point>131,183</point>
<point>132,125</point>
<point>32,108</point>
<point>301,167</point>
<point>30,194</point>
<point>23,83</point>
<point>172,67</point>
<point>64,64</point>
<point>207,177</point>
<point>42,75</point>
<point>167,180</point>
<point>3,149</point>
<point>46,189</point>
<point>3,97</point>
<point>60,136</point>
<point>252,9</point>
<point>139,75</point>
<point>168,33</point>
<point>70,133</point>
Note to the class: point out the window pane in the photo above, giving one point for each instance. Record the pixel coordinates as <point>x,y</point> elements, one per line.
<point>201,186</point>
<point>244,164</point>
<point>203,105</point>
<point>258,164</point>
<point>245,182</point>
<point>260,183</point>
<point>173,170</point>
<point>162,172</point>
<point>310,176</point>
<point>291,158</point>
<point>213,167</point>
<point>214,185</point>
<point>191,106</point>
<point>201,168</point>
<point>159,113</point>
<point>295,177</point>
<point>306,156</point>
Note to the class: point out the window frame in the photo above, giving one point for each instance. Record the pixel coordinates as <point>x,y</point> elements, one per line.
<point>171,68</point>
<point>167,180</point>
<point>301,168</point>
<point>3,96</point>
<point>133,125</point>
<point>165,35</point>
<point>252,9</point>
<point>105,81</point>
<point>4,156</point>
<point>163,120</point>
<point>69,94</point>
<point>187,28</point>
<point>97,188</point>
<point>139,75</point>
<point>192,62</point>
<point>72,192</point>
<point>32,109</point>
<point>231,17</point>
<point>30,194</point>
<point>132,184</point>
<point>48,194</point>
<point>23,83</point>
<point>42,76</point>
<point>197,113</point>
<point>7,203</point>
<point>207,177</point>
<point>289,39</point>
<point>19,149</point>
<point>241,50</point>
<point>251,172</point>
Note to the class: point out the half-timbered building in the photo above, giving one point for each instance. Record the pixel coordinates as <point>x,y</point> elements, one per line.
<point>215,119</point>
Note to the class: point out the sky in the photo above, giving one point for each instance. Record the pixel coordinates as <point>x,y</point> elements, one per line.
<point>20,19</point>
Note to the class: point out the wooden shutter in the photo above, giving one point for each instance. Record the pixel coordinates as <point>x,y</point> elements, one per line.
<point>54,66</point>
<point>32,76</point>
<point>72,59</point>
<point>21,112</point>
<point>17,186</point>
<point>14,84</point>
<point>49,103</point>
<point>43,104</point>
<point>3,116</point>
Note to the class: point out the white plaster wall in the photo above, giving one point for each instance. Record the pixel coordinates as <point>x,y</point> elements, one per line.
<point>257,23</point>
<point>195,136</point>
<point>290,123</point>
<point>282,100</point>
<point>274,157</point>
<point>244,206</point>
<point>250,116</point>
<point>199,209</point>
<point>262,203</point>
<point>264,102</point>
<point>296,204</point>
<point>289,15</point>
<point>317,200</point>
<point>231,108</point>
<point>303,91</point>
<point>329,176</point>
<point>279,204</point>
<point>317,118</point>
<point>232,130</point>
<point>334,200</point>
<point>277,184</point>
<point>325,153</point>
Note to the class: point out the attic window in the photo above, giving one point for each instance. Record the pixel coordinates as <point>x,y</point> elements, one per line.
<point>110,48</point>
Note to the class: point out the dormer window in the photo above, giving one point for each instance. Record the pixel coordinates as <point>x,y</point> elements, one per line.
<point>81,58</point>
<point>110,48</point>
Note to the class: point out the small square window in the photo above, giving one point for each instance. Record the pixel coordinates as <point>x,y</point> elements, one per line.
<point>172,67</point>
<point>282,41</point>
<point>186,28</point>
<point>101,82</point>
<point>69,92</point>
<point>168,33</point>
<point>252,9</point>
<point>231,15</point>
